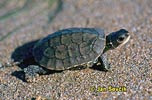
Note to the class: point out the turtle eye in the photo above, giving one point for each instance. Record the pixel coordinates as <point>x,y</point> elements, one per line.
<point>120,39</point>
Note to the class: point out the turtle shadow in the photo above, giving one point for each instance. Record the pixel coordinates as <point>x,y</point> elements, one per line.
<point>99,68</point>
<point>23,54</point>
<point>94,67</point>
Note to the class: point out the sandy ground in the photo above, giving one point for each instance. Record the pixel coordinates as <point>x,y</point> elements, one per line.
<point>24,21</point>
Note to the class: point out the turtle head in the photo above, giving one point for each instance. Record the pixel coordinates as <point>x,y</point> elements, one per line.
<point>115,39</point>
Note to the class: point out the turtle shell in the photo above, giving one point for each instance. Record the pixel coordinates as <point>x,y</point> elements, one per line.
<point>71,47</point>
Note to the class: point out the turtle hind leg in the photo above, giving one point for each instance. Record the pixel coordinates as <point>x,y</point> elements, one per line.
<point>32,71</point>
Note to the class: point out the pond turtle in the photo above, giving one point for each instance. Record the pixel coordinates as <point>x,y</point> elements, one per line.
<point>72,47</point>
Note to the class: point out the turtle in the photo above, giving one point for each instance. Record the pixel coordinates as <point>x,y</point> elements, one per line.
<point>72,47</point>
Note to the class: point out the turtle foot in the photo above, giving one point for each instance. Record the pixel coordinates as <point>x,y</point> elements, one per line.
<point>33,71</point>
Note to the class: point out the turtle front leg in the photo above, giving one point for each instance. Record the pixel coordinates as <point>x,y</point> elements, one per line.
<point>32,71</point>
<point>103,62</point>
